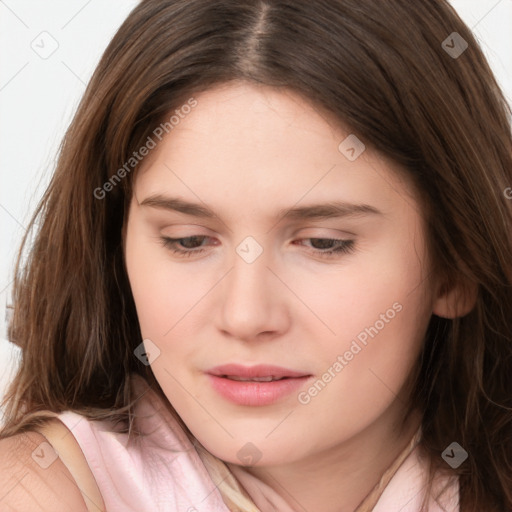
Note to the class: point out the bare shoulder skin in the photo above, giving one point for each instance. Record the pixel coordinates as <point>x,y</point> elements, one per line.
<point>34,478</point>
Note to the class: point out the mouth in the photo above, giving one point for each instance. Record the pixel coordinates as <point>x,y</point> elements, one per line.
<point>255,385</point>
<point>270,378</point>
<point>260,372</point>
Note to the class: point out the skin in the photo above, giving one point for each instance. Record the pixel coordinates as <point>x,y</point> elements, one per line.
<point>247,152</point>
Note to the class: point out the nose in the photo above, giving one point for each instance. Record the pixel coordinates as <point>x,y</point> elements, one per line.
<point>253,301</point>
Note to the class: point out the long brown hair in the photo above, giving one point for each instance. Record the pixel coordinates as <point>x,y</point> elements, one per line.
<point>380,68</point>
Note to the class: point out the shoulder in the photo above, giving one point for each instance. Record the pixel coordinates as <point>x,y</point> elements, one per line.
<point>33,477</point>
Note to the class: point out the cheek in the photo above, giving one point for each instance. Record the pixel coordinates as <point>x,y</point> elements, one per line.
<point>380,294</point>
<point>375,309</point>
<point>370,364</point>
<point>163,293</point>
<point>379,310</point>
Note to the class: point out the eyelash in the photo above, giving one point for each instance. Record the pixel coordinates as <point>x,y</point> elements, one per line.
<point>344,246</point>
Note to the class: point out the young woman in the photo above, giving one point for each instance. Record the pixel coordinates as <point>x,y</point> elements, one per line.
<point>273,270</point>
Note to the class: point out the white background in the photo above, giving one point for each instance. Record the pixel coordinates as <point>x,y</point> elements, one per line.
<point>39,95</point>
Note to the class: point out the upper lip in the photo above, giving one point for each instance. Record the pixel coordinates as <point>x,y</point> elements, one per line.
<point>260,370</point>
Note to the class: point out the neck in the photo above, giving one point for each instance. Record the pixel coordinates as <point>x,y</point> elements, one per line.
<point>338,479</point>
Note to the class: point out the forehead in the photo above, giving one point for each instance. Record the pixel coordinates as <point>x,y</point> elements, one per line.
<point>251,146</point>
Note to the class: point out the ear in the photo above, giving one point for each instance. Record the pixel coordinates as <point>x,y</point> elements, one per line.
<point>455,300</point>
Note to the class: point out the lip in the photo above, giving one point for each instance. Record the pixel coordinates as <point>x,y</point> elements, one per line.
<point>255,393</point>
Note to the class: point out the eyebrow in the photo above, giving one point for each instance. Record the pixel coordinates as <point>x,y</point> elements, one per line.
<point>321,211</point>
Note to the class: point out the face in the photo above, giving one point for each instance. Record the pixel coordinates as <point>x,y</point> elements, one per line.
<point>257,238</point>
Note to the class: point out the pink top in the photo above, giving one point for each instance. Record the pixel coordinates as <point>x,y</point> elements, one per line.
<point>163,471</point>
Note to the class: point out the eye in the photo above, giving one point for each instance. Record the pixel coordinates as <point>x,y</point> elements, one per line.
<point>186,246</point>
<point>330,247</point>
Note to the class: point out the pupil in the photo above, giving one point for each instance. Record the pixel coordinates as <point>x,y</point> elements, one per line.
<point>321,243</point>
<point>187,242</point>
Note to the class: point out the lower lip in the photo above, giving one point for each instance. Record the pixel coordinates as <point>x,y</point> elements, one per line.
<point>255,393</point>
